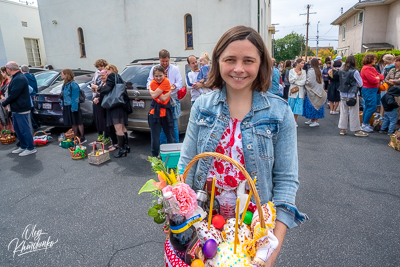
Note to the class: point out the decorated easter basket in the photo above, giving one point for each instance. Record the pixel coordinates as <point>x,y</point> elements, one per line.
<point>395,141</point>
<point>67,143</point>
<point>77,151</point>
<point>171,257</point>
<point>40,138</point>
<point>98,157</point>
<point>6,137</point>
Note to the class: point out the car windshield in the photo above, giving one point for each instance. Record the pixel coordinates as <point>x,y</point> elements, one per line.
<point>56,89</point>
<point>137,75</point>
<point>44,78</point>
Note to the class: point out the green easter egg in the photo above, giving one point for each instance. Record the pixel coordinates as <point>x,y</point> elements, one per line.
<point>248,217</point>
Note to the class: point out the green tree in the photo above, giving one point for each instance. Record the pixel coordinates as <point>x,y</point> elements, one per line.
<point>289,47</point>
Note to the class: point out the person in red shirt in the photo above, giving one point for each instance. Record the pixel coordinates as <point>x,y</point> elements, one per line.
<point>369,91</point>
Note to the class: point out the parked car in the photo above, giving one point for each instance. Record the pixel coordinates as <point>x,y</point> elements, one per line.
<point>47,78</point>
<point>47,103</point>
<point>35,70</point>
<point>136,73</point>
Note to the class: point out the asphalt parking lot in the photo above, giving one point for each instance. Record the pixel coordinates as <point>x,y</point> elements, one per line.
<point>349,188</point>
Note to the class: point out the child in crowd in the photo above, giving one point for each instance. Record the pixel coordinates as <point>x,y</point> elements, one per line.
<point>160,114</point>
<point>390,106</point>
<point>204,69</point>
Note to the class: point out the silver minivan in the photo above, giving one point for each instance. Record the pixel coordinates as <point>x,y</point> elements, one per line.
<point>135,75</point>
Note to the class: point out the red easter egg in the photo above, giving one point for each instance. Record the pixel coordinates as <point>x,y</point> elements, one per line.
<point>218,221</point>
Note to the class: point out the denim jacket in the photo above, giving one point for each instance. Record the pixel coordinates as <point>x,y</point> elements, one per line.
<point>71,95</point>
<point>269,146</point>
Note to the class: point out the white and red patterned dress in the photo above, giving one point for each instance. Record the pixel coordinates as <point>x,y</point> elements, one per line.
<point>227,176</point>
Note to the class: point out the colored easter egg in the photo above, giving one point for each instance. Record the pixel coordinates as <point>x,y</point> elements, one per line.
<point>218,221</point>
<point>197,263</point>
<point>248,217</point>
<point>210,248</point>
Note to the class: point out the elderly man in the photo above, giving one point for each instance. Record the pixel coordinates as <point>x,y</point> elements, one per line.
<point>19,101</point>
<point>191,78</point>
<point>175,79</point>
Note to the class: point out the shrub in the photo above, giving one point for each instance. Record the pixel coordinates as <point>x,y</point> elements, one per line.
<point>359,57</point>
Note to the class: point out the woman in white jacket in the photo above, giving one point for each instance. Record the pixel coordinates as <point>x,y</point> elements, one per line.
<point>297,78</point>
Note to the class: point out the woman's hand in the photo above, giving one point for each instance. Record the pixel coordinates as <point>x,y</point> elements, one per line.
<point>94,88</point>
<point>164,97</point>
<point>96,100</point>
<point>279,232</point>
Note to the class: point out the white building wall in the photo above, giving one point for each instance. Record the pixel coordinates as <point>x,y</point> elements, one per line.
<point>393,25</point>
<point>12,33</point>
<point>376,18</point>
<point>351,44</point>
<point>121,30</point>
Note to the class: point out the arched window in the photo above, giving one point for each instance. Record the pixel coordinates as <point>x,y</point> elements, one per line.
<point>188,32</point>
<point>81,42</point>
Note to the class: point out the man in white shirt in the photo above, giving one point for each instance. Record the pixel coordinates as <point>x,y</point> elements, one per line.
<point>175,79</point>
<point>191,78</point>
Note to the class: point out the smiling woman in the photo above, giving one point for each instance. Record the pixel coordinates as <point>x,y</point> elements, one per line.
<point>242,120</point>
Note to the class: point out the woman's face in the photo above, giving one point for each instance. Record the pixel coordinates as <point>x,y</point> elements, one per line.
<point>373,62</point>
<point>300,65</point>
<point>4,74</point>
<point>239,65</point>
<point>397,64</point>
<point>109,71</point>
<point>62,75</point>
<point>159,76</point>
<point>103,77</point>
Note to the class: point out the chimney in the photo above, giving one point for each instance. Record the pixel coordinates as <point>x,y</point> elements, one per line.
<point>341,10</point>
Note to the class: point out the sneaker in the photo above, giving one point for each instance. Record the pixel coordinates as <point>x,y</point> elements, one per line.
<point>28,152</point>
<point>366,129</point>
<point>100,138</point>
<point>390,134</point>
<point>297,125</point>
<point>18,150</point>
<point>331,112</point>
<point>335,112</point>
<point>106,141</point>
<point>382,132</point>
<point>343,132</point>
<point>83,141</point>
<point>361,134</point>
<point>308,122</point>
<point>314,124</point>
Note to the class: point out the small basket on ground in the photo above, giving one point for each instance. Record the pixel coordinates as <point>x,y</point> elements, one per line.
<point>395,141</point>
<point>41,139</point>
<point>6,137</point>
<point>67,143</point>
<point>77,151</point>
<point>171,257</point>
<point>98,156</point>
<point>69,134</point>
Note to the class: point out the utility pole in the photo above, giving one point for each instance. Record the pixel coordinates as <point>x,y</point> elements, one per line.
<point>317,38</point>
<point>301,48</point>
<point>308,24</point>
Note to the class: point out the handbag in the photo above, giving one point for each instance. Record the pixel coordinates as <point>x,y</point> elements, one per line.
<point>82,96</point>
<point>294,90</point>
<point>351,102</point>
<point>114,98</point>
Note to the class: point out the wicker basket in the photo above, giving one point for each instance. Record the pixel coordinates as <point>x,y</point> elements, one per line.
<point>40,140</point>
<point>78,151</point>
<point>6,137</point>
<point>171,258</point>
<point>100,156</point>
<point>69,134</point>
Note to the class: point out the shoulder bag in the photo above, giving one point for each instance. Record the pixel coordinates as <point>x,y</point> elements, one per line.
<point>294,90</point>
<point>115,98</point>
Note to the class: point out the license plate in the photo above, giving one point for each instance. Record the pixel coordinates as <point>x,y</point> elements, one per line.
<point>47,106</point>
<point>138,104</point>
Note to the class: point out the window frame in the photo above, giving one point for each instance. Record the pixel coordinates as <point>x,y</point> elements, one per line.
<point>187,47</point>
<point>343,32</point>
<point>81,39</point>
<point>36,53</point>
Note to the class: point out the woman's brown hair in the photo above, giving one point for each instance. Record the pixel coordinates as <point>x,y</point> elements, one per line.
<point>368,59</point>
<point>112,68</point>
<point>263,81</point>
<point>315,66</point>
<point>69,75</point>
<point>350,63</point>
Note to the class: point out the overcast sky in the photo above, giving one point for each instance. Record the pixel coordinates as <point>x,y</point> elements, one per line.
<point>286,13</point>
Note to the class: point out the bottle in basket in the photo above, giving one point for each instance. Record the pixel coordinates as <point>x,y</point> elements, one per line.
<point>180,234</point>
<point>227,201</point>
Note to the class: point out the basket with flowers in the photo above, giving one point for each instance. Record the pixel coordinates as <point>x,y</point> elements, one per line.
<point>198,235</point>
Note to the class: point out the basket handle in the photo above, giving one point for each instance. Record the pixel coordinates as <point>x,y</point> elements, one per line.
<point>95,146</point>
<point>40,132</point>
<point>242,170</point>
<point>79,141</point>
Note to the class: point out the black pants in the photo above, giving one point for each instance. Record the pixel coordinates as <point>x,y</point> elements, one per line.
<point>155,129</point>
<point>286,92</point>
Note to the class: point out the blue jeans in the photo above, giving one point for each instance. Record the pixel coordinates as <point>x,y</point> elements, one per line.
<point>163,138</point>
<point>23,130</point>
<point>390,121</point>
<point>370,99</point>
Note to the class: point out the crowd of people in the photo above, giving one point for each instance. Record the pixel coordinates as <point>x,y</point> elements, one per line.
<point>347,91</point>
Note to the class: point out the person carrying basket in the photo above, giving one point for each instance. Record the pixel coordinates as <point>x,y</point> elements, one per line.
<point>244,121</point>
